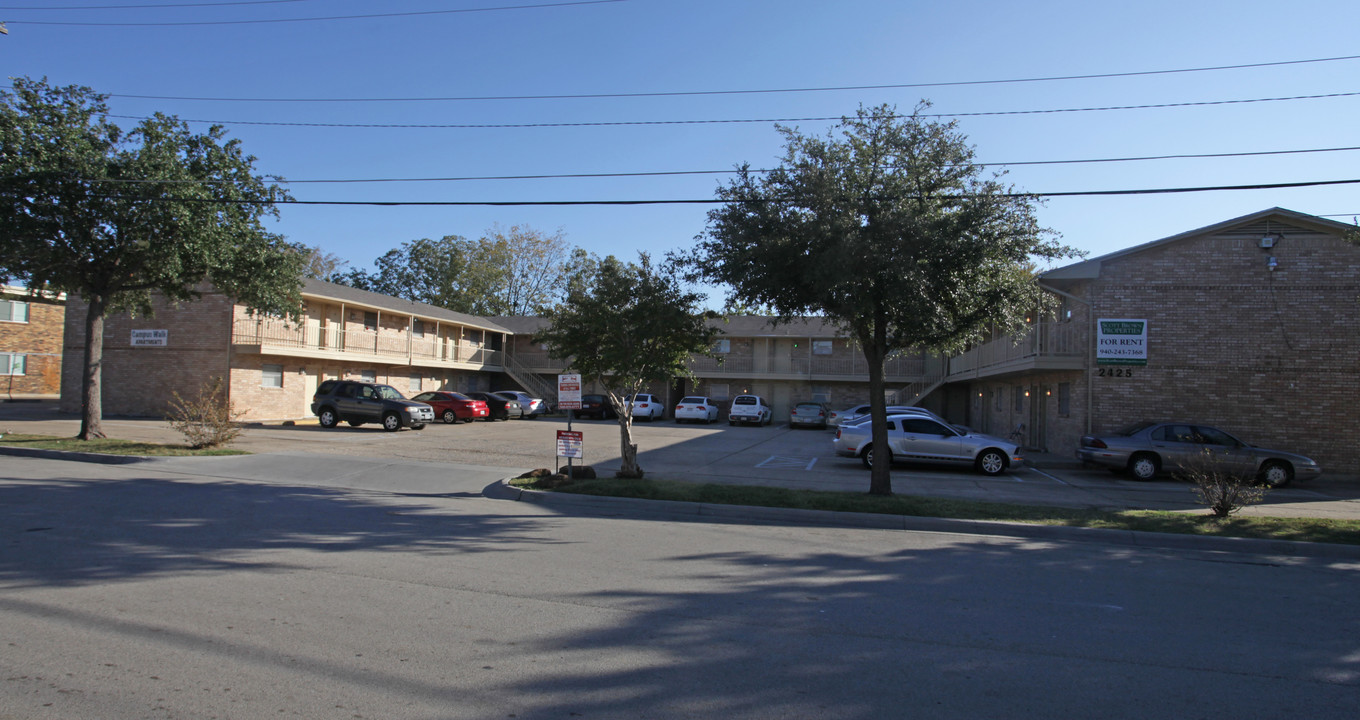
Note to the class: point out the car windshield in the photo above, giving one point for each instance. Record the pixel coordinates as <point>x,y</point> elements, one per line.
<point>458,396</point>
<point>387,392</point>
<point>809,406</point>
<point>744,401</point>
<point>693,401</point>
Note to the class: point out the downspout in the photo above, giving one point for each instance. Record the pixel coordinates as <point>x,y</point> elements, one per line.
<point>1090,378</point>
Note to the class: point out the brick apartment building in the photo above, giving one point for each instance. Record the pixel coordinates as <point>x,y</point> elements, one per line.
<point>1252,325</point>
<point>30,344</point>
<point>272,367</point>
<point>808,359</point>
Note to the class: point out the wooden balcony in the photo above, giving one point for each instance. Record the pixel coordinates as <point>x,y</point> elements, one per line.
<point>1047,346</point>
<point>275,337</point>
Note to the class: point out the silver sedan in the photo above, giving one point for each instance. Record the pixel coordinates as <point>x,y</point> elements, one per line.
<point>914,437</point>
<point>1147,448</point>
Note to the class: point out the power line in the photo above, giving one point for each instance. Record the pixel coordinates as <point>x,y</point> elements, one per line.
<point>175,5</point>
<point>895,86</point>
<point>619,123</point>
<point>318,19</point>
<point>675,173</point>
<point>715,201</point>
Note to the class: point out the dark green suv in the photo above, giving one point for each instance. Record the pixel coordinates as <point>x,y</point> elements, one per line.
<point>357,403</point>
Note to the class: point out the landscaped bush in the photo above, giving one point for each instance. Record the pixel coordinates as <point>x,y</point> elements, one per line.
<point>1219,488</point>
<point>206,420</point>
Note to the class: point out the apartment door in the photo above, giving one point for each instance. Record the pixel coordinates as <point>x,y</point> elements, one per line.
<point>309,383</point>
<point>1038,418</point>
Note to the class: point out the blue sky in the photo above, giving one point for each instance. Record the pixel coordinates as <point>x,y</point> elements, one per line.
<point>682,46</point>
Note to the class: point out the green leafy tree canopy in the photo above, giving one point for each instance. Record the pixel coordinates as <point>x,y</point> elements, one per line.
<point>118,216</point>
<point>886,227</point>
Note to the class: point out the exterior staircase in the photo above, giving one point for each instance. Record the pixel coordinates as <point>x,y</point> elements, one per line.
<point>532,383</point>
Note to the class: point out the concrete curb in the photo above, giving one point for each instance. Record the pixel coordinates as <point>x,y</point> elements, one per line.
<point>827,518</point>
<point>74,455</point>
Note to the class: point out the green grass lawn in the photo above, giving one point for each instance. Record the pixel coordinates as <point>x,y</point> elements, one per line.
<point>1272,528</point>
<point>108,446</point>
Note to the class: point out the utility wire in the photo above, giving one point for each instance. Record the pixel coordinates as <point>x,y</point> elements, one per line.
<point>175,5</point>
<point>715,201</point>
<point>692,93</point>
<point>673,173</point>
<point>316,19</point>
<point>618,123</point>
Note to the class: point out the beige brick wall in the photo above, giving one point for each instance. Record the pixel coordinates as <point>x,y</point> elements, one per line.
<point>141,381</point>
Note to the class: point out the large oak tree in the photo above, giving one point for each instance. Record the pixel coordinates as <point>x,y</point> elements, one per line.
<point>888,228</point>
<point>117,216</point>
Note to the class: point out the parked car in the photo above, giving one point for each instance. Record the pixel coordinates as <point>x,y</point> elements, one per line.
<point>532,407</point>
<point>356,403</point>
<point>749,409</point>
<point>913,437</point>
<point>1147,448</point>
<point>500,408</point>
<point>696,408</point>
<point>452,407</point>
<point>859,413</point>
<point>646,406</point>
<point>596,406</point>
<point>810,414</point>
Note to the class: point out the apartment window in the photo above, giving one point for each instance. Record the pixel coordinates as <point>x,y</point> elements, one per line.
<point>368,376</point>
<point>417,328</point>
<point>821,347</point>
<point>718,391</point>
<point>821,393</point>
<point>271,376</point>
<point>722,346</point>
<point>414,385</point>
<point>13,311</point>
<point>1064,399</point>
<point>11,364</point>
<point>371,321</point>
<point>1019,399</point>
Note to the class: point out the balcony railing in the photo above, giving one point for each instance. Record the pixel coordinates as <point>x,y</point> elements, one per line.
<point>279,335</point>
<point>1043,340</point>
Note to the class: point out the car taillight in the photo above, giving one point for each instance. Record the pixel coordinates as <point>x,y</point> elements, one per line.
<point>838,433</point>
<point>1096,443</point>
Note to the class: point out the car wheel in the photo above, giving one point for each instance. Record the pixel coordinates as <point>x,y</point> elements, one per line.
<point>468,420</point>
<point>355,423</point>
<point>418,426</point>
<point>732,423</point>
<point>391,422</point>
<point>867,457</point>
<point>991,462</point>
<point>328,418</point>
<point>1144,466</point>
<point>449,417</point>
<point>1276,474</point>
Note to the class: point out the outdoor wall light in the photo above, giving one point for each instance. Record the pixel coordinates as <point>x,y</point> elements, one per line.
<point>1049,393</point>
<point>1026,393</point>
<point>1272,263</point>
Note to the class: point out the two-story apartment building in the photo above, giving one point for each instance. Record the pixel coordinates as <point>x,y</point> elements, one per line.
<point>1252,325</point>
<point>271,366</point>
<point>30,344</point>
<point>788,363</point>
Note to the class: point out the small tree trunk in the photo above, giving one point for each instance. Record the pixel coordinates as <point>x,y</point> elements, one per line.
<point>91,403</point>
<point>627,448</point>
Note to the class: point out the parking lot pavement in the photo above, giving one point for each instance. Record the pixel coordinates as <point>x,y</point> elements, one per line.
<point>773,455</point>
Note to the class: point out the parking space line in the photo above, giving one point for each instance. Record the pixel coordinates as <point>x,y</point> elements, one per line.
<point>787,462</point>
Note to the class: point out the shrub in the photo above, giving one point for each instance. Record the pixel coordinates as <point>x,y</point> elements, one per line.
<point>1218,487</point>
<point>206,420</point>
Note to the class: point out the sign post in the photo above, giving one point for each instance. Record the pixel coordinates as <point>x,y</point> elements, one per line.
<point>569,399</point>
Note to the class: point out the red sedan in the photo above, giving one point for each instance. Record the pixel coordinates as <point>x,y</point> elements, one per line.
<point>452,407</point>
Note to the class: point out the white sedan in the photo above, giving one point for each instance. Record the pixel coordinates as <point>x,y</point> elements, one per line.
<point>696,409</point>
<point>918,438</point>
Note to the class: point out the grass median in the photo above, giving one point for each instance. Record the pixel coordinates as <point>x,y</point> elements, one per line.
<point>1269,528</point>
<point>108,446</point>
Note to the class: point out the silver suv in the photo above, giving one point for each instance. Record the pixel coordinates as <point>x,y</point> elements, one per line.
<point>357,403</point>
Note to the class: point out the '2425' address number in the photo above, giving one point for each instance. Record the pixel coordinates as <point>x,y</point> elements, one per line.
<point>1114,372</point>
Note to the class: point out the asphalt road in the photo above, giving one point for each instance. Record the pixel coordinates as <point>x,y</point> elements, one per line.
<point>186,588</point>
